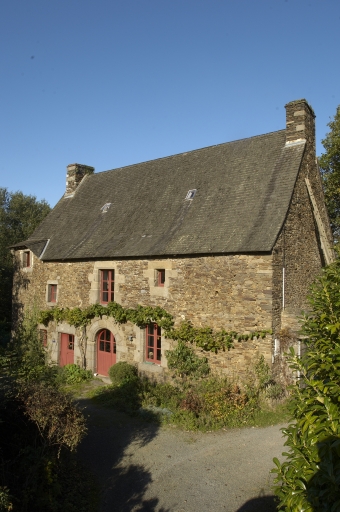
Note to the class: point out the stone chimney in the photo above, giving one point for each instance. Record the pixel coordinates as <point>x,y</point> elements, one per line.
<point>300,124</point>
<point>75,174</point>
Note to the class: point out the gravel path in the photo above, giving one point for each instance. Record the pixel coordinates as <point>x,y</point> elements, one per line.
<point>142,467</point>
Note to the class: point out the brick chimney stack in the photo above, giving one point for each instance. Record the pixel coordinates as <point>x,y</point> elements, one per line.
<point>75,174</point>
<point>300,122</point>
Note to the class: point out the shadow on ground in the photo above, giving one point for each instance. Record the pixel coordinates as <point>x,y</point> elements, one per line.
<point>261,504</point>
<point>122,486</point>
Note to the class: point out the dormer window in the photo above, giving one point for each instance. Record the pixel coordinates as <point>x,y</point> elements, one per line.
<point>191,194</point>
<point>105,208</point>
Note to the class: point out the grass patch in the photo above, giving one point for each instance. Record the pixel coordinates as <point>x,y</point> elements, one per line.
<point>277,413</point>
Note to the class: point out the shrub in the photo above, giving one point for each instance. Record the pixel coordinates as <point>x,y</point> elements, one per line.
<point>309,479</point>
<point>59,421</point>
<point>185,362</point>
<point>73,374</point>
<point>160,394</point>
<point>122,372</point>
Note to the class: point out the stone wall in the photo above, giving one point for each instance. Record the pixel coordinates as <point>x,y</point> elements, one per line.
<point>298,250</point>
<point>232,292</point>
<point>298,247</point>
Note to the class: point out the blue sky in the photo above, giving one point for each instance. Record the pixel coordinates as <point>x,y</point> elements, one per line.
<point>109,83</point>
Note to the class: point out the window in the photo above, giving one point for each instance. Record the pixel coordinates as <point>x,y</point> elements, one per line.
<point>160,277</point>
<point>43,337</point>
<point>26,259</point>
<point>52,293</point>
<point>153,343</point>
<point>107,281</point>
<point>106,341</point>
<point>70,344</point>
<point>191,194</point>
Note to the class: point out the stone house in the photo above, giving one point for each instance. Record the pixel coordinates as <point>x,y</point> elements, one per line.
<point>229,236</point>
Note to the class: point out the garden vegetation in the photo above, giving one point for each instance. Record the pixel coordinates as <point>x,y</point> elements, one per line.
<point>309,479</point>
<point>194,399</point>
<point>40,429</point>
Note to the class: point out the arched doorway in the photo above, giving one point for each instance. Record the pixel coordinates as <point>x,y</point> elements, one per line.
<point>106,351</point>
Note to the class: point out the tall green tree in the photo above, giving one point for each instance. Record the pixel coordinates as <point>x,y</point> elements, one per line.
<point>309,478</point>
<point>19,216</point>
<point>330,166</point>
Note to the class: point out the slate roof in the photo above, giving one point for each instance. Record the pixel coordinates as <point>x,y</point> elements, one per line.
<point>243,194</point>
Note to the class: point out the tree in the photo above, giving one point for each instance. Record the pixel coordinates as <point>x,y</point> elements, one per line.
<point>330,166</point>
<point>310,476</point>
<point>19,216</point>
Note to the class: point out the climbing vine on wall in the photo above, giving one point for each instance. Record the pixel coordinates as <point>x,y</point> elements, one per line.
<point>203,337</point>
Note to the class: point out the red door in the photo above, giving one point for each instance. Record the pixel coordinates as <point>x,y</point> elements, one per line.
<point>106,351</point>
<point>66,349</point>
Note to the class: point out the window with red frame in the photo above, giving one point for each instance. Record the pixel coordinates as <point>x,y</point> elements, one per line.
<point>160,277</point>
<point>107,342</point>
<point>43,337</point>
<point>26,262</point>
<point>153,343</point>
<point>52,293</point>
<point>107,286</point>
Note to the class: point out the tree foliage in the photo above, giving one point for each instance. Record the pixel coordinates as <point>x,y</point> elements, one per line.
<point>310,477</point>
<point>330,167</point>
<point>19,216</point>
<point>39,428</point>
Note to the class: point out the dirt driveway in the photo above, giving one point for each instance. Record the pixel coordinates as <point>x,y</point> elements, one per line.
<point>141,467</point>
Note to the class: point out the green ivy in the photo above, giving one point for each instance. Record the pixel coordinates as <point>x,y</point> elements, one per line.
<point>203,337</point>
<point>210,340</point>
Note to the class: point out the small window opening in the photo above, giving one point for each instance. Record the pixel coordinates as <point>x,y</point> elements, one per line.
<point>26,259</point>
<point>70,344</point>
<point>191,194</point>
<point>105,208</point>
<point>160,277</point>
<point>52,293</point>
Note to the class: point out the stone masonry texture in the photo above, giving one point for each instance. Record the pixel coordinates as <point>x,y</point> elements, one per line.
<point>238,292</point>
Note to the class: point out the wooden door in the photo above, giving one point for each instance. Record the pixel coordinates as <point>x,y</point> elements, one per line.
<point>66,349</point>
<point>106,351</point>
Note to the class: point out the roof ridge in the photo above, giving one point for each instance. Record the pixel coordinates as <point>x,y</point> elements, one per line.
<point>187,152</point>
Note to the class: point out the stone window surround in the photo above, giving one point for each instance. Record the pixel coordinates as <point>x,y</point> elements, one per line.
<point>95,280</point>
<point>160,277</point>
<point>152,274</point>
<point>109,281</point>
<point>49,282</point>
<point>21,259</point>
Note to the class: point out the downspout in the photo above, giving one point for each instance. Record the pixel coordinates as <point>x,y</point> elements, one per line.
<point>283,270</point>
